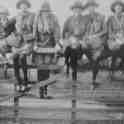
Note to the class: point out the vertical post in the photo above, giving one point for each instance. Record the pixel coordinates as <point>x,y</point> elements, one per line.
<point>16,106</point>
<point>5,71</point>
<point>74,102</point>
<point>41,92</point>
<point>42,76</point>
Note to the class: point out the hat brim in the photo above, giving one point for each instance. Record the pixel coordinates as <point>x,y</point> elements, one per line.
<point>46,11</point>
<point>88,5</point>
<point>115,4</point>
<point>23,2</point>
<point>77,7</point>
<point>4,14</point>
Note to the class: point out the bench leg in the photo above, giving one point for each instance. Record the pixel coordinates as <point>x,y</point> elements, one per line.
<point>16,105</point>
<point>42,92</point>
<point>5,71</point>
<point>45,90</point>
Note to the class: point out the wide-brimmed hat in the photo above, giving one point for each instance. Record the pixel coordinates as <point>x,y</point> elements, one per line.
<point>45,7</point>
<point>117,2</point>
<point>4,11</point>
<point>23,2</point>
<point>91,3</point>
<point>77,4</point>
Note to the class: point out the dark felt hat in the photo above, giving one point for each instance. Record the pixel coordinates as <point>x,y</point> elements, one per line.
<point>114,4</point>
<point>23,2</point>
<point>77,4</point>
<point>45,7</point>
<point>91,3</point>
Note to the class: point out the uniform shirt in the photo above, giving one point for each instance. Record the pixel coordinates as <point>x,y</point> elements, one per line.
<point>23,34</point>
<point>2,31</point>
<point>96,25</point>
<point>96,31</point>
<point>76,26</point>
<point>24,23</point>
<point>5,31</point>
<point>115,25</point>
<point>47,24</point>
<point>3,27</point>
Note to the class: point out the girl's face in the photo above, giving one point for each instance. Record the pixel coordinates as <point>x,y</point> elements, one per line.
<point>118,9</point>
<point>3,20</point>
<point>23,7</point>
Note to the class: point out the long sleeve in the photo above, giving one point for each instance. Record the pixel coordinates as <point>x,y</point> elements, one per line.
<point>30,22</point>
<point>103,27</point>
<point>87,25</point>
<point>123,24</point>
<point>66,32</point>
<point>57,30</point>
<point>110,27</point>
<point>87,29</point>
<point>67,55</point>
<point>35,26</point>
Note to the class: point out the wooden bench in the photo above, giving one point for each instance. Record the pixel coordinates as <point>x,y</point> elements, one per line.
<point>45,83</point>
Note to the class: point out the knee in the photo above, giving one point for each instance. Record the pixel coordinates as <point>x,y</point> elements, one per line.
<point>16,57</point>
<point>23,57</point>
<point>23,60</point>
